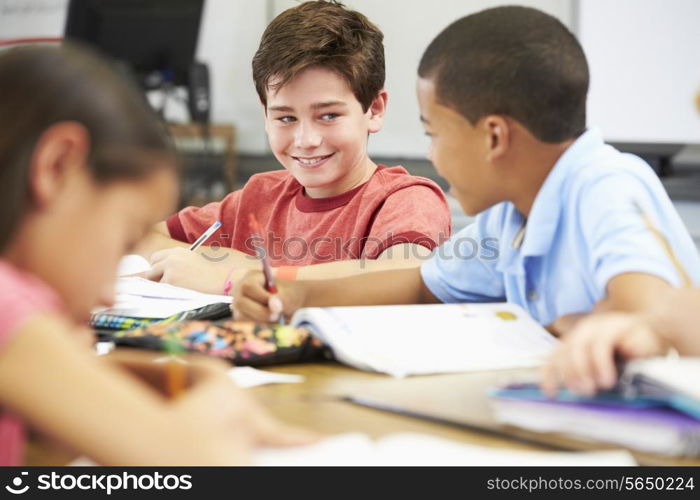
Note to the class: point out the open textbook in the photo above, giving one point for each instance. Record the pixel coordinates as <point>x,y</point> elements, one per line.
<point>425,339</point>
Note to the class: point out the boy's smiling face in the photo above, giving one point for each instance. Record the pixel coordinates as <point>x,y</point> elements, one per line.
<point>459,152</point>
<point>318,131</point>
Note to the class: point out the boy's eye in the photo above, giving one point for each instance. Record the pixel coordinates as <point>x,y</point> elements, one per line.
<point>287,119</point>
<point>329,116</point>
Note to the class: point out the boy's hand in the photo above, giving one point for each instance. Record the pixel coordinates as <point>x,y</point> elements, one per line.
<point>585,360</point>
<point>182,267</point>
<point>251,301</point>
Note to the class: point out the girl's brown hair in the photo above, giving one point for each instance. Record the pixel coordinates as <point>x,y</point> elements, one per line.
<point>42,86</point>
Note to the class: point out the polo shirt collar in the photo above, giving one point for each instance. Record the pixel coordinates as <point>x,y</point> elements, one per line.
<point>547,208</point>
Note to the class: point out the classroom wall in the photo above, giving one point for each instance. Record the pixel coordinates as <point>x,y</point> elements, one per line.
<point>643,54</point>
<point>644,57</point>
<point>229,37</point>
<point>408,27</point>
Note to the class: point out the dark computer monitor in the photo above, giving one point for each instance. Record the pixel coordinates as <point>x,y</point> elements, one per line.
<point>156,39</point>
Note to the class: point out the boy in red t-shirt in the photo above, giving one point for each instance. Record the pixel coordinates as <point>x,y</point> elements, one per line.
<point>319,72</point>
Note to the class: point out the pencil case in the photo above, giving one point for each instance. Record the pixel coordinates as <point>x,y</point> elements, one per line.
<point>106,324</point>
<point>242,343</point>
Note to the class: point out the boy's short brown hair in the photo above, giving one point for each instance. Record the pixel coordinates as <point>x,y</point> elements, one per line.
<point>325,34</point>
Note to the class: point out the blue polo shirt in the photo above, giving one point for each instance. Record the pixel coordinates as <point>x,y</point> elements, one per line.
<point>584,228</point>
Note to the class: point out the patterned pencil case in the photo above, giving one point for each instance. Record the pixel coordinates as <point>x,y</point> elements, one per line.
<point>107,324</point>
<point>243,343</point>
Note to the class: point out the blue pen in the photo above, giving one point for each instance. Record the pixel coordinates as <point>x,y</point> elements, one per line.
<point>205,235</point>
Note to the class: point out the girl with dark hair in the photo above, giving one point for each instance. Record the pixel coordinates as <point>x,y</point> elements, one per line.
<point>85,171</point>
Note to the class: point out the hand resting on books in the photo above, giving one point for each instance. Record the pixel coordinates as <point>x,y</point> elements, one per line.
<point>585,361</point>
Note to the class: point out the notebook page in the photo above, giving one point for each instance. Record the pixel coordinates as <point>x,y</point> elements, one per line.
<point>146,288</point>
<point>436,338</point>
<point>142,298</point>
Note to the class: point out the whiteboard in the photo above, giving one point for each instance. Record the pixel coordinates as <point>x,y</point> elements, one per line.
<point>32,18</point>
<point>644,57</point>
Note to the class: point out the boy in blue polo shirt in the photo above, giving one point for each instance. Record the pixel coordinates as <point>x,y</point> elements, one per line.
<point>561,216</point>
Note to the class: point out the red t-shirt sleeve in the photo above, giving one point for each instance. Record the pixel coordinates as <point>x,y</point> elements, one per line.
<point>416,214</point>
<point>189,223</point>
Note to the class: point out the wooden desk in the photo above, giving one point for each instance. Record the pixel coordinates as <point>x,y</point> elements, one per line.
<point>318,404</point>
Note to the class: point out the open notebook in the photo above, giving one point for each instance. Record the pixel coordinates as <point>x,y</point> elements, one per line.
<point>398,340</point>
<point>425,339</point>
<point>137,297</point>
<point>140,302</point>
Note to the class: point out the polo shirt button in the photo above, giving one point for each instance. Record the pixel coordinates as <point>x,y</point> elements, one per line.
<point>532,294</point>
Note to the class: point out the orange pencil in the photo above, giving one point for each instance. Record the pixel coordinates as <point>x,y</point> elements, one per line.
<point>175,369</point>
<point>175,377</point>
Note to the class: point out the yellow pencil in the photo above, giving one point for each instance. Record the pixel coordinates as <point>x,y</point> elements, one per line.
<point>664,244</point>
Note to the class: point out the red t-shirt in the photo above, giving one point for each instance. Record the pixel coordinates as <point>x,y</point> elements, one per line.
<point>392,207</point>
<point>21,296</point>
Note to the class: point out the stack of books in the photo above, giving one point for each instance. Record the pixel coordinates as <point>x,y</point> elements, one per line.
<point>655,408</point>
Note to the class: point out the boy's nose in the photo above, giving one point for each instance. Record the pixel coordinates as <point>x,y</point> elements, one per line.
<point>307,137</point>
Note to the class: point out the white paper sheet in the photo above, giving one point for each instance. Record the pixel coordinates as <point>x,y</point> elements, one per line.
<point>410,449</point>
<point>246,376</point>
<point>132,264</point>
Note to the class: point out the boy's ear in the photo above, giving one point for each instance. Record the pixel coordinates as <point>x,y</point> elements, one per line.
<point>60,153</point>
<point>498,135</point>
<point>376,111</point>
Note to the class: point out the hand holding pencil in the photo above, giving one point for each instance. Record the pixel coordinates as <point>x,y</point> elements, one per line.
<point>258,297</point>
<point>253,302</point>
<point>188,267</point>
<point>274,302</point>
